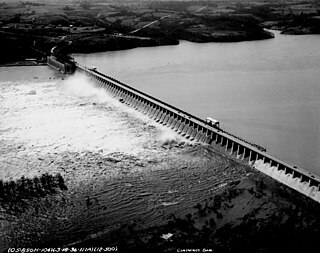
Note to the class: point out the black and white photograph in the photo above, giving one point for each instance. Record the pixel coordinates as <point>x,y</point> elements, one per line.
<point>159,126</point>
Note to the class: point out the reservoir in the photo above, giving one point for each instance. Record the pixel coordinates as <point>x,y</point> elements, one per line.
<point>266,91</point>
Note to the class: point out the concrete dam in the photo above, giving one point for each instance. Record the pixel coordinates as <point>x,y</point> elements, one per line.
<point>196,129</point>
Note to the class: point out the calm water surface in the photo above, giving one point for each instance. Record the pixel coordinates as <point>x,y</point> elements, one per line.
<point>265,91</point>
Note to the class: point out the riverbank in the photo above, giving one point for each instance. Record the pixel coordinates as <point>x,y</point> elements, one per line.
<point>23,63</point>
<point>299,26</point>
<point>31,31</point>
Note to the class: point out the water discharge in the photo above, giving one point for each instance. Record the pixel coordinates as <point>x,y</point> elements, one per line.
<point>83,87</point>
<point>168,136</point>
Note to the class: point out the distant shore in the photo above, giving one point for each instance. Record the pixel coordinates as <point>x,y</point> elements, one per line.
<point>109,28</point>
<point>18,43</point>
<point>32,30</point>
<point>23,63</point>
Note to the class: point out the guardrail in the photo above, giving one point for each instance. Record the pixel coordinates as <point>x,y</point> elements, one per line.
<point>197,129</point>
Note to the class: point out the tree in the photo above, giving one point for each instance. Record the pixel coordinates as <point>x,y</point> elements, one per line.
<point>61,183</point>
<point>22,187</point>
<point>38,187</point>
<point>16,18</point>
<point>1,189</point>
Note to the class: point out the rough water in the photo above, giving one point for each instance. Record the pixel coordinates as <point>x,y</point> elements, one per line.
<point>119,166</point>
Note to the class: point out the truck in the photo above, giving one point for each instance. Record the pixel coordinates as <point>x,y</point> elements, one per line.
<point>93,68</point>
<point>213,122</point>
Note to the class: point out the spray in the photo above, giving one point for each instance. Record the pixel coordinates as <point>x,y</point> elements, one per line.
<point>81,86</point>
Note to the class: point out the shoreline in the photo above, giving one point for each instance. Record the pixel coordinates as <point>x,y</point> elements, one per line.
<point>32,30</point>
<point>22,64</point>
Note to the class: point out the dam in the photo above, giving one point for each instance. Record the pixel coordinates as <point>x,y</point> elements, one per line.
<point>196,129</point>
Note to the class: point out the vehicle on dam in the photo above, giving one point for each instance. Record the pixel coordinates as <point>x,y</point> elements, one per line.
<point>213,122</point>
<point>93,68</point>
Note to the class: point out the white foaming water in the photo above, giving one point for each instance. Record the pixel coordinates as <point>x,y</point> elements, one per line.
<point>68,115</point>
<point>82,86</point>
<point>52,116</point>
<point>168,136</point>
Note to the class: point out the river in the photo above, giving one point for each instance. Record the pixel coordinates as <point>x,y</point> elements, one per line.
<point>264,91</point>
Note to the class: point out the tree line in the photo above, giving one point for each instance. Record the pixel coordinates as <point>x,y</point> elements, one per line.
<point>27,188</point>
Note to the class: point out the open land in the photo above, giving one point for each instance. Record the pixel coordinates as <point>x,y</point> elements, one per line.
<point>30,29</point>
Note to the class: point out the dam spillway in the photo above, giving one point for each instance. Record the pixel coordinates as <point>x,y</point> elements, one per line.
<point>194,128</point>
